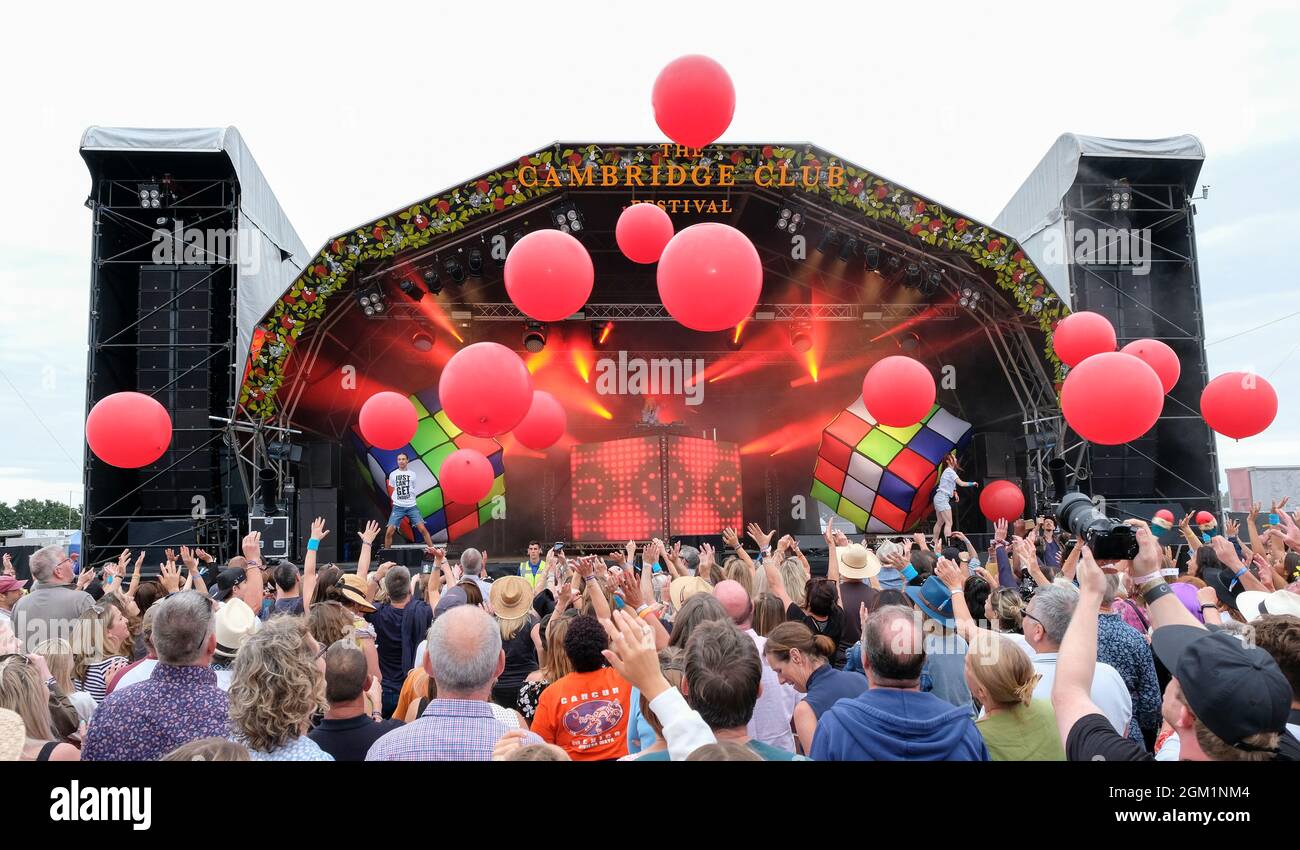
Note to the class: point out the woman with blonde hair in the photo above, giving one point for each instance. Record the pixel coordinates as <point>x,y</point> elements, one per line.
<point>511,598</point>
<point>101,639</point>
<point>1015,726</point>
<point>278,685</point>
<point>554,667</point>
<point>58,659</point>
<point>23,691</point>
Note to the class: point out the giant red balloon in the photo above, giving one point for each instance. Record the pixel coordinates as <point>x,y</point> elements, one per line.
<point>388,420</point>
<point>642,232</point>
<point>1112,398</point>
<point>1159,357</point>
<point>710,277</point>
<point>545,423</point>
<point>1238,404</point>
<point>128,430</point>
<point>549,275</point>
<point>693,100</point>
<point>898,391</point>
<point>485,389</point>
<point>1081,335</point>
<point>1002,500</point>
<point>465,476</point>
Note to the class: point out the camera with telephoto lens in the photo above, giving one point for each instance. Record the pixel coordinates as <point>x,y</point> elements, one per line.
<point>1109,539</point>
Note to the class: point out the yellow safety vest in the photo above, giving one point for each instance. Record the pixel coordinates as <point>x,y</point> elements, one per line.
<point>526,571</point>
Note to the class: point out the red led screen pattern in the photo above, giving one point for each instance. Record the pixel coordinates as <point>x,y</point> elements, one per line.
<point>703,486</point>
<point>617,490</point>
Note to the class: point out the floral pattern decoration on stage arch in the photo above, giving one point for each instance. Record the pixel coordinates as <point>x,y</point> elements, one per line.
<point>461,207</point>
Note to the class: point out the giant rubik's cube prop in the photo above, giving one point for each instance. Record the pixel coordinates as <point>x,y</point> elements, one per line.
<point>435,438</point>
<point>879,477</point>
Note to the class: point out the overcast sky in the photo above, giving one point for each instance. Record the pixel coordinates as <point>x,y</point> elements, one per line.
<point>355,109</point>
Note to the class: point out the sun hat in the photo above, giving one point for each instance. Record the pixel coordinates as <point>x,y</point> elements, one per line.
<point>511,597</point>
<point>353,588</point>
<point>1256,603</point>
<point>857,561</point>
<point>13,735</point>
<point>684,587</point>
<point>234,622</point>
<point>935,599</point>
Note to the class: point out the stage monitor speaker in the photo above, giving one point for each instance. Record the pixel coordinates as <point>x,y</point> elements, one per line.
<point>319,502</point>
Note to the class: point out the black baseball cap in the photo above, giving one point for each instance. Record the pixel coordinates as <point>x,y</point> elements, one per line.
<point>227,581</point>
<point>1236,690</point>
<point>1226,585</point>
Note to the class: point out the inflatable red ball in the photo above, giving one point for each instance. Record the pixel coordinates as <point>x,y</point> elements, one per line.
<point>1080,335</point>
<point>465,476</point>
<point>642,232</point>
<point>485,389</point>
<point>1206,520</point>
<point>388,420</point>
<point>1160,357</point>
<point>1163,519</point>
<point>549,275</point>
<point>1112,398</point>
<point>1002,500</point>
<point>1239,404</point>
<point>545,423</point>
<point>128,430</point>
<point>694,100</point>
<point>710,277</point>
<point>898,391</point>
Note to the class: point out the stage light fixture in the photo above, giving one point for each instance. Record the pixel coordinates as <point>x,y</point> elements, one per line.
<point>534,337</point>
<point>151,197</point>
<point>411,289</point>
<point>422,342</point>
<point>932,283</point>
<point>790,220</point>
<point>893,266</point>
<point>909,342</point>
<point>454,270</point>
<point>567,219</point>
<point>912,276</point>
<point>372,301</point>
<point>849,248</point>
<point>871,257</point>
<point>970,297</point>
<point>830,239</point>
<point>600,333</point>
<point>801,339</point>
<point>476,262</point>
<point>431,281</point>
<point>1119,196</point>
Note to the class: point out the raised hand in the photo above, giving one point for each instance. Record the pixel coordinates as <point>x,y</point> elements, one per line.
<point>1231,527</point>
<point>187,558</point>
<point>1000,530</point>
<point>319,531</point>
<point>367,536</point>
<point>989,577</point>
<point>706,555</point>
<point>252,546</point>
<point>730,539</point>
<point>8,568</point>
<point>1090,577</point>
<point>1290,531</point>
<point>169,577</point>
<point>618,558</point>
<point>85,577</point>
<point>203,556</point>
<point>632,651</point>
<point>761,539</point>
<point>950,574</point>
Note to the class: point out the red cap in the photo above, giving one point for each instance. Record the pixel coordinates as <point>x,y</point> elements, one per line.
<point>8,583</point>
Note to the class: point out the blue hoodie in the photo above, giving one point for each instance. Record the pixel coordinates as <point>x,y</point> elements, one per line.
<point>886,724</point>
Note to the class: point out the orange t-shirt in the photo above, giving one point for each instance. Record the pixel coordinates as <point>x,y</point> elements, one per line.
<point>586,714</point>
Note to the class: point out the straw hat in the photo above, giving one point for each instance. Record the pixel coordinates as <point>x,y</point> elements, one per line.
<point>511,597</point>
<point>684,587</point>
<point>857,561</point>
<point>235,621</point>
<point>353,588</point>
<point>13,735</point>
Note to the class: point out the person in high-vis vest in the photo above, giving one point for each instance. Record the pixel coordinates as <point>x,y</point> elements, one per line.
<point>534,569</point>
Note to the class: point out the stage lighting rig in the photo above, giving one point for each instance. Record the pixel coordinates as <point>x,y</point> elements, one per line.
<point>454,270</point>
<point>1119,196</point>
<point>600,333</point>
<point>151,197</point>
<point>849,249</point>
<point>830,240</point>
<point>931,283</point>
<point>912,276</point>
<point>411,289</point>
<point>475,262</point>
<point>567,219</point>
<point>372,301</point>
<point>422,342</point>
<point>534,337</point>
<point>871,257</point>
<point>801,338</point>
<point>431,281</point>
<point>790,220</point>
<point>970,297</point>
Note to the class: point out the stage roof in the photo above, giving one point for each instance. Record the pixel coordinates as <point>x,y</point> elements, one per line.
<point>830,190</point>
<point>1035,211</point>
<point>262,223</point>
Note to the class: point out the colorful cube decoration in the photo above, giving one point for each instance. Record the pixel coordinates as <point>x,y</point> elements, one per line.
<point>879,477</point>
<point>435,438</point>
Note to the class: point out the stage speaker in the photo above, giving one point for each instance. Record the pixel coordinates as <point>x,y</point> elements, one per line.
<point>320,465</point>
<point>154,536</point>
<point>997,451</point>
<point>319,502</point>
<point>1118,471</point>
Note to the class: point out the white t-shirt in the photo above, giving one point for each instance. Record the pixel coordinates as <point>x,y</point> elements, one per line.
<point>144,670</point>
<point>1109,692</point>
<point>403,483</point>
<point>770,722</point>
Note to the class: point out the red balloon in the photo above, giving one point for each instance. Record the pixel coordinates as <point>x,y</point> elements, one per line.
<point>1159,357</point>
<point>388,420</point>
<point>465,476</point>
<point>898,391</point>
<point>1238,404</point>
<point>545,423</point>
<point>128,430</point>
<point>1081,335</point>
<point>485,389</point>
<point>693,100</point>
<point>642,232</point>
<point>1206,518</point>
<point>549,275</point>
<point>1112,398</point>
<point>710,277</point>
<point>1002,500</point>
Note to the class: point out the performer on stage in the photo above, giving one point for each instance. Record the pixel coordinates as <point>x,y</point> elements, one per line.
<point>945,491</point>
<point>402,480</point>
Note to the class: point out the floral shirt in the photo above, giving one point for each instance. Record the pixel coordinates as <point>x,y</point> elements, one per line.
<point>299,749</point>
<point>147,720</point>
<point>1124,648</point>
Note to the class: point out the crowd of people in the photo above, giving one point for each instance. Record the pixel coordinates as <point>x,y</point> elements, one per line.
<point>904,649</point>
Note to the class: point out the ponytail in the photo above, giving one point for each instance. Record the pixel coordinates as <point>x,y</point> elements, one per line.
<point>824,646</point>
<point>791,635</point>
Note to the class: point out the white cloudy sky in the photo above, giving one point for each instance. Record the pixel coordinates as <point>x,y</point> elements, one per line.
<point>355,109</point>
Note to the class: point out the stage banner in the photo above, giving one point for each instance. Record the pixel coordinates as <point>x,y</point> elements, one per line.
<point>881,478</point>
<point>435,438</point>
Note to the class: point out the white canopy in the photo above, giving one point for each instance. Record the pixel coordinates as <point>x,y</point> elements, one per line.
<point>1034,216</point>
<point>263,226</point>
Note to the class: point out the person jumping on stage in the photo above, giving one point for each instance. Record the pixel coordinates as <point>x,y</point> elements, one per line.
<point>946,490</point>
<point>402,480</point>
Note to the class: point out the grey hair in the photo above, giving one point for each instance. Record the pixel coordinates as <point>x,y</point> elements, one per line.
<point>691,556</point>
<point>398,583</point>
<point>1112,590</point>
<point>471,562</point>
<point>464,647</point>
<point>43,562</point>
<point>1053,607</point>
<point>181,627</point>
